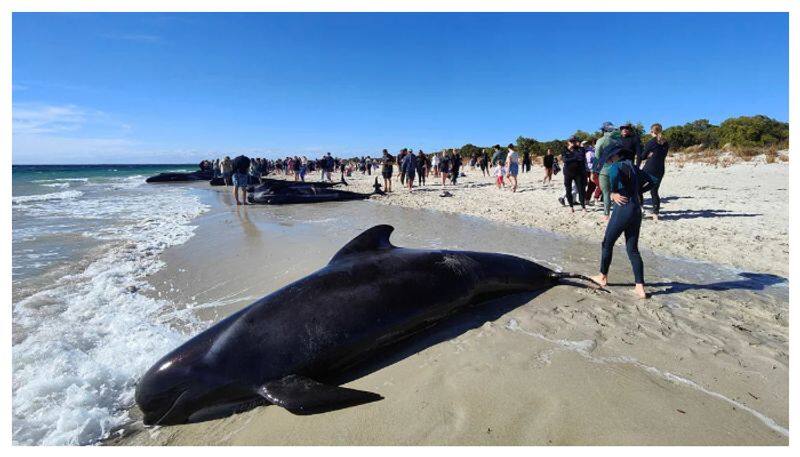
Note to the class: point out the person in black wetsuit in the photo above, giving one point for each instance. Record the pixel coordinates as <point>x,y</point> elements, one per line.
<point>422,167</point>
<point>631,143</point>
<point>455,167</point>
<point>526,161</point>
<point>547,161</point>
<point>626,217</point>
<point>654,156</point>
<point>574,162</point>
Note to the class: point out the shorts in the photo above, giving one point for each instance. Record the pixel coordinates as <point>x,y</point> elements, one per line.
<point>410,175</point>
<point>513,169</point>
<point>387,174</point>
<point>240,179</point>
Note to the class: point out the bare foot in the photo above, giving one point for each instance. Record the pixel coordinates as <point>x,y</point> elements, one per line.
<point>600,279</point>
<point>238,203</point>
<point>639,291</point>
<point>655,217</point>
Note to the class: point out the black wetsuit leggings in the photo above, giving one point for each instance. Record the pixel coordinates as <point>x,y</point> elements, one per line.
<point>652,185</point>
<point>579,176</point>
<point>421,174</point>
<point>626,219</point>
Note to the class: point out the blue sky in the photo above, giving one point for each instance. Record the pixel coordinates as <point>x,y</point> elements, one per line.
<point>166,88</point>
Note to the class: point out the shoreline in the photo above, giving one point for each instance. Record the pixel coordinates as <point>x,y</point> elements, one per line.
<point>565,367</point>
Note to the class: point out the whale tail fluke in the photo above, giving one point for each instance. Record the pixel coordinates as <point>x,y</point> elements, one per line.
<point>592,283</point>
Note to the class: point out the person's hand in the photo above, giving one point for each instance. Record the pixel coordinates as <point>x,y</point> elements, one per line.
<point>619,199</point>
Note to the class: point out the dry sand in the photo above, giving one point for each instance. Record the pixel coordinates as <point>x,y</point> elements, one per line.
<point>736,215</point>
<point>704,361</point>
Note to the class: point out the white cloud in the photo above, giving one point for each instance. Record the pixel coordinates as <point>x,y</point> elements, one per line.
<point>38,119</point>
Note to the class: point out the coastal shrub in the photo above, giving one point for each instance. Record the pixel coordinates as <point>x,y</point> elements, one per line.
<point>754,131</point>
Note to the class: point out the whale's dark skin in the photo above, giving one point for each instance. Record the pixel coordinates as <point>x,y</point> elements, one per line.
<point>200,175</point>
<point>282,348</point>
<point>309,193</point>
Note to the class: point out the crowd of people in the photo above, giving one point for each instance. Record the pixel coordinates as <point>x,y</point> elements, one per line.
<point>614,171</point>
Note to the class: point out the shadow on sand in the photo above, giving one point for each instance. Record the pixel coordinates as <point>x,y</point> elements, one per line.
<point>749,281</point>
<point>705,213</point>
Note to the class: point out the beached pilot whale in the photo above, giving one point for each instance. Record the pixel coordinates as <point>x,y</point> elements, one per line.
<point>199,175</point>
<point>307,193</point>
<point>284,347</point>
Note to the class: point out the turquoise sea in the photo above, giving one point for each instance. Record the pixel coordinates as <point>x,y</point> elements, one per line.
<point>84,237</point>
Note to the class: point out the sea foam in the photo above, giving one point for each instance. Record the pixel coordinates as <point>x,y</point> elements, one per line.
<point>84,341</point>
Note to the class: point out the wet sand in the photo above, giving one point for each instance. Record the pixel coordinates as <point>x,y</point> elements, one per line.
<point>704,361</point>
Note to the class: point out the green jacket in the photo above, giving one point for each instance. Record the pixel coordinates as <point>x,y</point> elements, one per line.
<point>605,140</point>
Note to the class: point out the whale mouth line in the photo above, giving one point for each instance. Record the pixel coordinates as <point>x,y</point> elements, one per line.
<point>171,408</point>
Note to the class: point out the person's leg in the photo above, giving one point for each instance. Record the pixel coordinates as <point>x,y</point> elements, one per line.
<point>590,186</point>
<point>244,196</point>
<point>632,228</point>
<point>598,193</point>
<point>655,197</point>
<point>580,182</point>
<point>605,187</point>
<point>614,229</point>
<point>568,178</point>
<point>236,194</point>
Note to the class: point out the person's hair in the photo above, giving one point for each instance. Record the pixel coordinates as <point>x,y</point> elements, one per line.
<point>510,146</point>
<point>657,127</point>
<point>385,151</point>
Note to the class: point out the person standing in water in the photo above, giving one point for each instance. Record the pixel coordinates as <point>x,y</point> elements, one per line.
<point>512,165</point>
<point>548,161</point>
<point>241,166</point>
<point>626,218</point>
<point>654,155</point>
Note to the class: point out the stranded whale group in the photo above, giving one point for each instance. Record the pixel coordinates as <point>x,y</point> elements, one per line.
<point>285,348</point>
<point>277,191</point>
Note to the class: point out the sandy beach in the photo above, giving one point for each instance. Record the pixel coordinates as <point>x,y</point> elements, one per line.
<point>736,215</point>
<point>704,361</point>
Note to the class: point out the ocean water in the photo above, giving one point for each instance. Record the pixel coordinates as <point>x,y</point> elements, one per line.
<point>84,238</point>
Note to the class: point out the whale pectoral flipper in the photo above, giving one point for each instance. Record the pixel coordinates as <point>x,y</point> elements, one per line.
<point>301,395</point>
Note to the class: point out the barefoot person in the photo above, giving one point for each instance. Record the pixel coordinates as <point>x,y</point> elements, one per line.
<point>626,218</point>
<point>573,160</point>
<point>409,168</point>
<point>547,161</point>
<point>241,165</point>
<point>386,170</point>
<point>512,165</point>
<point>654,155</point>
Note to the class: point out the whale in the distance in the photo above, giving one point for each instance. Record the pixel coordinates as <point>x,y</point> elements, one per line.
<point>285,348</point>
<point>307,193</point>
<point>199,175</point>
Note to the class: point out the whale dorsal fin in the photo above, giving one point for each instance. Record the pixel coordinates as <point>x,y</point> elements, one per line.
<point>370,240</point>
